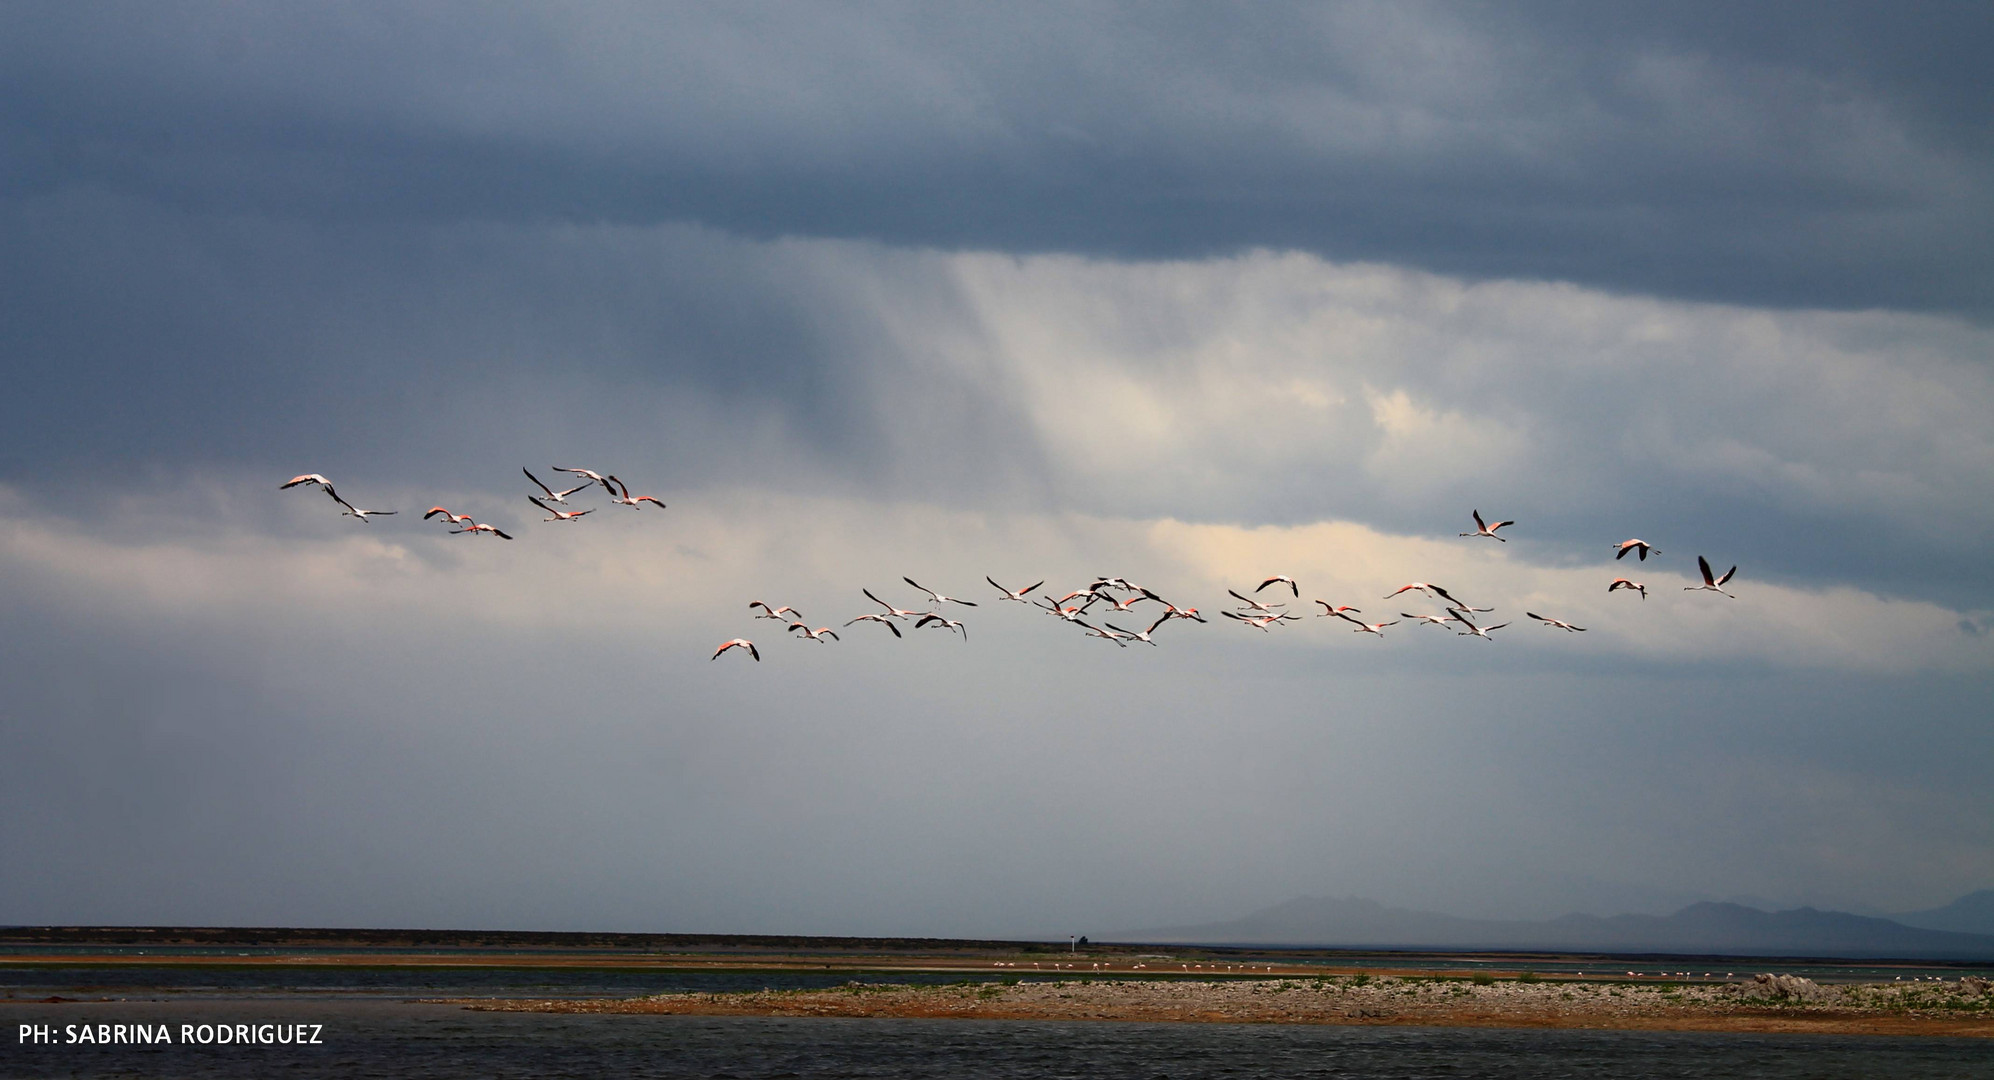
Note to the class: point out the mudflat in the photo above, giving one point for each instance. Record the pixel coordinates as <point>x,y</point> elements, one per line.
<point>1920,1008</point>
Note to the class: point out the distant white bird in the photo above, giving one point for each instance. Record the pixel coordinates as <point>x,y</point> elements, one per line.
<point>774,613</point>
<point>1488,530</point>
<point>818,635</point>
<point>938,597</point>
<point>351,511</point>
<point>308,478</point>
<point>454,519</point>
<point>894,612</point>
<point>1430,620</point>
<point>1642,547</point>
<point>1623,583</point>
<point>559,515</point>
<point>1559,623</point>
<point>880,619</point>
<point>624,499</point>
<point>479,527</point>
<point>932,619</point>
<point>592,475</point>
<point>552,495</point>
<point>737,643</point>
<point>1710,584</point>
<point>1282,579</point>
<point>1329,609</point>
<point>1019,596</point>
<point>1368,628</point>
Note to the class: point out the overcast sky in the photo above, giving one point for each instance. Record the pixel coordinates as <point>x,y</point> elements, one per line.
<point>1190,294</point>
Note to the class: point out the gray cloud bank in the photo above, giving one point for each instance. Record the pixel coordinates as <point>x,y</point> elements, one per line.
<point>1791,154</point>
<point>1189,293</point>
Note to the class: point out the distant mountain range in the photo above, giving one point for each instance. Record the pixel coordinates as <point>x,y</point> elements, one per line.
<point>1970,914</point>
<point>1701,929</point>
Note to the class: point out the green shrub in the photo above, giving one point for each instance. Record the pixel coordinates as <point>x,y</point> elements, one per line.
<point>1482,978</point>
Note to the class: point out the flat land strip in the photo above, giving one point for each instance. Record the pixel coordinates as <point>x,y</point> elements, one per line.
<point>1925,1009</point>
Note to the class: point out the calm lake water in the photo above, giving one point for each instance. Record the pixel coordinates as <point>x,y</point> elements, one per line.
<point>376,1037</point>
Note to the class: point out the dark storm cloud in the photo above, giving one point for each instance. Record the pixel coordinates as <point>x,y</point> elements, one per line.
<point>1801,154</point>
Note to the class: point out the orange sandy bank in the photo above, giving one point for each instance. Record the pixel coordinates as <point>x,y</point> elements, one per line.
<point>1873,1009</point>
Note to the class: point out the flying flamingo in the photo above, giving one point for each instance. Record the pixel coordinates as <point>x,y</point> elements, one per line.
<point>592,475</point>
<point>552,495</point>
<point>880,619</point>
<point>943,622</point>
<point>1430,620</point>
<point>1710,583</point>
<point>1110,635</point>
<point>1019,596</point>
<point>938,597</point>
<point>892,611</point>
<point>818,635</point>
<point>559,515</point>
<point>1144,636</point>
<point>1476,631</point>
<point>1283,579</point>
<point>308,478</point>
<point>1070,614</point>
<point>1368,628</point>
<point>1123,604</point>
<point>1428,588</point>
<point>1264,609</point>
<point>1172,610</point>
<point>1329,609</point>
<point>1261,622</point>
<point>454,519</point>
<point>1641,547</point>
<point>1623,583</point>
<point>625,499</point>
<point>1559,623</point>
<point>477,527</point>
<point>773,613</point>
<point>737,643</point>
<point>1488,530</point>
<point>363,515</point>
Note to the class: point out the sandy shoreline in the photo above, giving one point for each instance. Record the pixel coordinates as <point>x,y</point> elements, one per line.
<point>1925,1009</point>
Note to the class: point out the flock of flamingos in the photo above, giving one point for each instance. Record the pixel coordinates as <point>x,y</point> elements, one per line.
<point>1117,596</point>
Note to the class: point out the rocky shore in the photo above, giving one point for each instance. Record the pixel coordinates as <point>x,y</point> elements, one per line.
<point>1765,1003</point>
